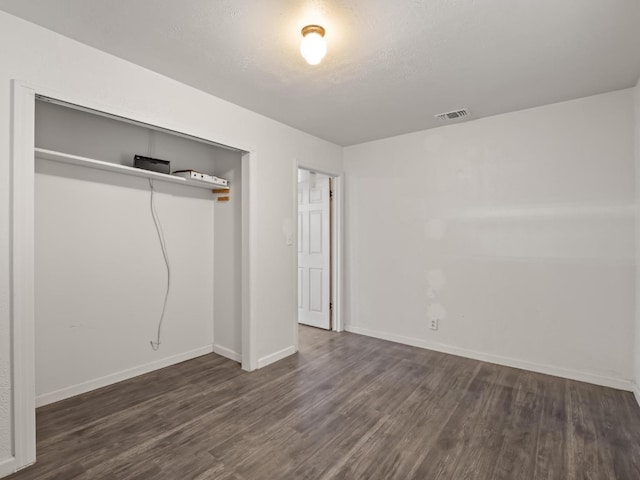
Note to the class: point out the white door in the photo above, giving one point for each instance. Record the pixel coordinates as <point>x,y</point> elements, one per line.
<point>314,245</point>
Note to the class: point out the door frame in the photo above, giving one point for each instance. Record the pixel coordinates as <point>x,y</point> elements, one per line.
<point>337,245</point>
<point>21,272</point>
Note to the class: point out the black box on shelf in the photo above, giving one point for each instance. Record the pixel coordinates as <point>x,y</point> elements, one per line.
<point>153,164</point>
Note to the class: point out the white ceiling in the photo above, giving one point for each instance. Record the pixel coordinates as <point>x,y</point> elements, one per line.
<point>391,64</point>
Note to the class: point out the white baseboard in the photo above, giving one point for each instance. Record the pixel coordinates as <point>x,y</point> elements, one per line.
<point>274,357</point>
<point>227,353</point>
<point>595,379</point>
<point>636,392</point>
<point>7,466</point>
<point>73,390</point>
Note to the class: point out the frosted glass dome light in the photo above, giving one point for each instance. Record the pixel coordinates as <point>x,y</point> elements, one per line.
<point>313,47</point>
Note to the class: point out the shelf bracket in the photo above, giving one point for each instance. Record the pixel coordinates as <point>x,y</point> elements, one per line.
<point>221,192</point>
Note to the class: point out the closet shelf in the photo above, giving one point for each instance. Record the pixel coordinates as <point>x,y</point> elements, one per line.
<point>124,169</point>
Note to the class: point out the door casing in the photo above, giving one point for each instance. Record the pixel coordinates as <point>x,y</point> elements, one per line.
<point>337,244</point>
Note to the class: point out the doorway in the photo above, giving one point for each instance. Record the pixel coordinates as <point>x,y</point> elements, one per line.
<point>315,248</point>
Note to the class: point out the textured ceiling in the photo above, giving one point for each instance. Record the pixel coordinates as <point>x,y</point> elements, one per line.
<point>390,66</point>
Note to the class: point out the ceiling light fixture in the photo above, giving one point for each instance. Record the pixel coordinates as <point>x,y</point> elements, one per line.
<point>313,47</point>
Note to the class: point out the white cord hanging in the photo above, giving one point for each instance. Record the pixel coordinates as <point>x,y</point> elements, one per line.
<point>156,220</point>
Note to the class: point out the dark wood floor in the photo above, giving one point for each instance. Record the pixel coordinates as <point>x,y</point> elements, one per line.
<point>345,407</point>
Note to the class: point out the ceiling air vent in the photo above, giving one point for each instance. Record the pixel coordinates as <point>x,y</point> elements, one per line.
<point>454,114</point>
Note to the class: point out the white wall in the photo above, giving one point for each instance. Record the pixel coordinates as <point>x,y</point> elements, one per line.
<point>516,232</point>
<point>100,277</point>
<point>44,58</point>
<point>228,263</point>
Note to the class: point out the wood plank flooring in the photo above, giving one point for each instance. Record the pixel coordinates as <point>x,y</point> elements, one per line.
<point>345,407</point>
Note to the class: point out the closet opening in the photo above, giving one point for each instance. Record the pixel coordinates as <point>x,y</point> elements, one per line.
<point>118,270</point>
<point>125,281</point>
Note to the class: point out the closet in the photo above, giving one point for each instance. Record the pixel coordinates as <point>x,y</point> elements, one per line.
<point>100,270</point>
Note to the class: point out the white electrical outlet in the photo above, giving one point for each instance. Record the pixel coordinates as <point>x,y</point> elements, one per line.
<point>434,324</point>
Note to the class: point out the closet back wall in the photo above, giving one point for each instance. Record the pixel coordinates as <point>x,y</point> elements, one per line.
<point>100,274</point>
